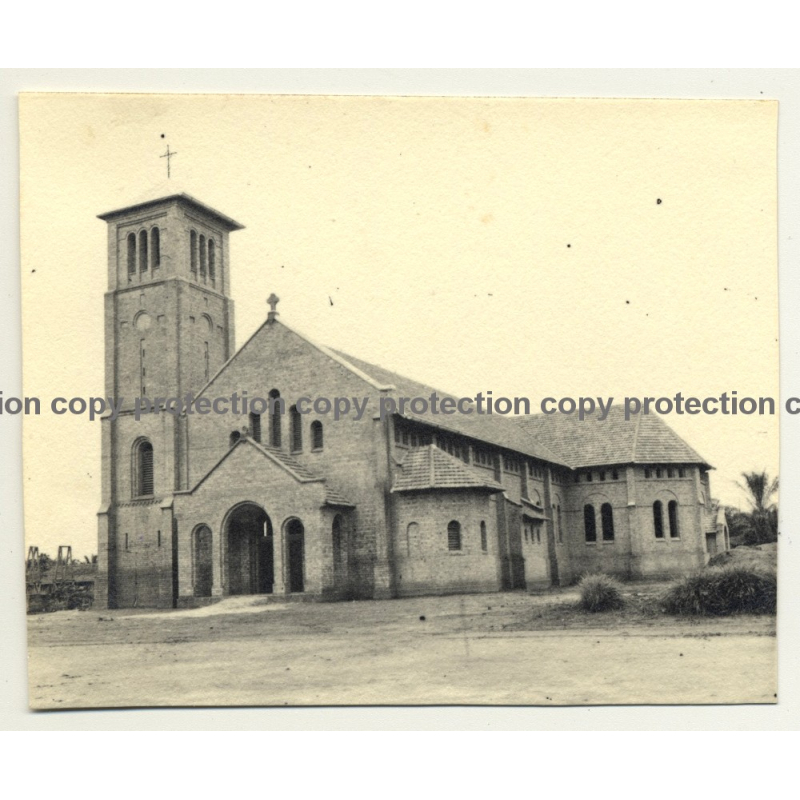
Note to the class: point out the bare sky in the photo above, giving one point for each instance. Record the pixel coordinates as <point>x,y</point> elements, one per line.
<point>492,244</point>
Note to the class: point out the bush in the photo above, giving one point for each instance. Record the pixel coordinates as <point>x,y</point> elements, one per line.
<point>719,591</point>
<point>599,593</point>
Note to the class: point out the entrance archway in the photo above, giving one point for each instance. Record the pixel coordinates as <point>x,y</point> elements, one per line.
<point>295,551</point>
<point>249,553</point>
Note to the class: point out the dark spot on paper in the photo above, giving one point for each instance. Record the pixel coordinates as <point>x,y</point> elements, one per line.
<point>163,135</point>
<point>330,300</point>
<point>658,201</point>
<point>569,245</point>
<point>627,302</point>
<point>422,618</point>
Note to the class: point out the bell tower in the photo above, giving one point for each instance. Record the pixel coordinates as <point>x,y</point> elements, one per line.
<point>169,327</point>
<point>169,317</point>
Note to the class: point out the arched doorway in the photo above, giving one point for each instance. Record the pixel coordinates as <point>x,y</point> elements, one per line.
<point>295,547</point>
<point>249,552</point>
<point>203,575</point>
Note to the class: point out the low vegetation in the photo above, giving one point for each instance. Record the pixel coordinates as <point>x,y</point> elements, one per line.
<point>600,593</point>
<point>720,591</point>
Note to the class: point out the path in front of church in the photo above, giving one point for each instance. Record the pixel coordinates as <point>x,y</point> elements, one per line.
<point>505,649</point>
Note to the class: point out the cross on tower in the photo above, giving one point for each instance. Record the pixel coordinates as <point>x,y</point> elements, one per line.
<point>168,155</point>
<point>272,302</point>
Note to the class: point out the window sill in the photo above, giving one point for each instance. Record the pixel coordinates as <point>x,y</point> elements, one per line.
<point>317,449</point>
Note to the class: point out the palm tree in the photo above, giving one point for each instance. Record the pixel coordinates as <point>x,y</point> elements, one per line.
<point>763,514</point>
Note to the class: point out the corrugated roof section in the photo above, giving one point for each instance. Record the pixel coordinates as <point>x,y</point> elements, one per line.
<point>431,468</point>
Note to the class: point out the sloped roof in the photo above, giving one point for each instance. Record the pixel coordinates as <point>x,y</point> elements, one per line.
<point>166,192</point>
<point>332,496</point>
<point>431,468</point>
<point>494,429</point>
<point>291,464</point>
<point>297,470</point>
<point>557,439</point>
<point>643,439</point>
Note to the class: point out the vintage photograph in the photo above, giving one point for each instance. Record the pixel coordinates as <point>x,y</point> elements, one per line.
<point>398,400</point>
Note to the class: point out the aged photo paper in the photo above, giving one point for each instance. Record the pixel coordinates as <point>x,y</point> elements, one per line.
<point>398,400</point>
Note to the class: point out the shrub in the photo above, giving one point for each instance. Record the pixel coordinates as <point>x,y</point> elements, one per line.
<point>719,591</point>
<point>599,593</point>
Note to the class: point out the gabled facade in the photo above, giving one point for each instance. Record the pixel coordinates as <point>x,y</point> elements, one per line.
<point>198,506</point>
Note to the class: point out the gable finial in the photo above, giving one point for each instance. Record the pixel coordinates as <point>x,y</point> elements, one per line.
<point>272,302</point>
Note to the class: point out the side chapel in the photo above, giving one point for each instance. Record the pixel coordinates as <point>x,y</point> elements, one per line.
<point>199,507</point>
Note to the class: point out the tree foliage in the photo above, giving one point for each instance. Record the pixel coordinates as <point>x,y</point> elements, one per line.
<point>759,524</point>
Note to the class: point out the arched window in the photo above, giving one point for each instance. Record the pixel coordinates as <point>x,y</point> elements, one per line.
<point>255,426</point>
<point>234,437</point>
<point>155,248</point>
<point>316,435</point>
<point>484,538</point>
<point>295,555</point>
<point>143,466</point>
<point>203,257</point>
<point>212,261</point>
<point>607,521</point>
<point>589,523</point>
<point>203,572</point>
<point>142,251</point>
<point>296,422</point>
<point>453,536</point>
<point>275,414</point>
<point>658,519</point>
<point>131,255</point>
<point>193,252</point>
<point>412,537</point>
<point>672,512</point>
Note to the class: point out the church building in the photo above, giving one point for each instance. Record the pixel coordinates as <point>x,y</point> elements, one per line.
<point>199,506</point>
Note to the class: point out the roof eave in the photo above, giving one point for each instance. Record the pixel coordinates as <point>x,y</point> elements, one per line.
<point>228,222</point>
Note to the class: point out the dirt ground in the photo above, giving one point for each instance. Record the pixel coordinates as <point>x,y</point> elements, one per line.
<point>499,649</point>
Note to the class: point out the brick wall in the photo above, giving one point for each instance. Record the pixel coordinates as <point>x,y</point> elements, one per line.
<point>425,565</point>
